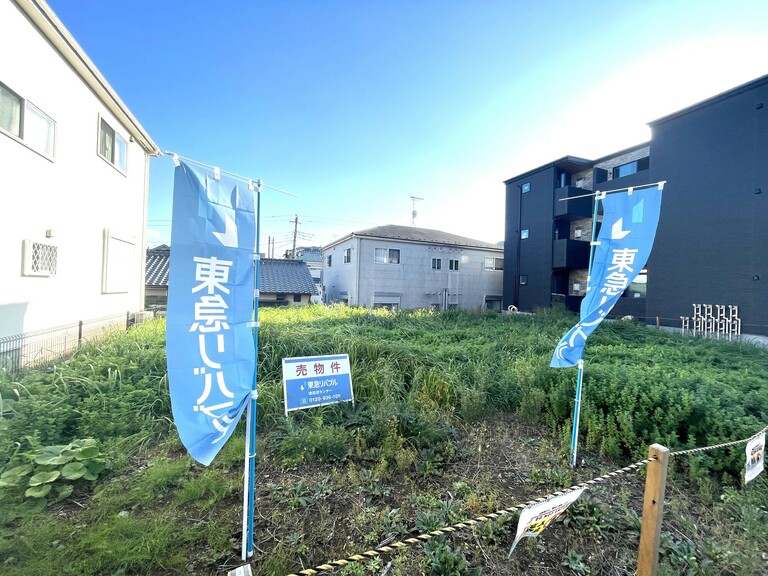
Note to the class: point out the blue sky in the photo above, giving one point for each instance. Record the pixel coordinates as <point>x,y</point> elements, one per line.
<point>355,106</point>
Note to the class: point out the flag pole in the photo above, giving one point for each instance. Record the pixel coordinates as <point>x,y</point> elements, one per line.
<point>580,370</point>
<point>249,491</point>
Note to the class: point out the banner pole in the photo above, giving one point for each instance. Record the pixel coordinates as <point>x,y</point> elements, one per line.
<point>580,370</point>
<point>576,413</point>
<point>251,416</point>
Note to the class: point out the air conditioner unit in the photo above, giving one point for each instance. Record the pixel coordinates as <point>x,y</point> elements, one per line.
<point>38,259</point>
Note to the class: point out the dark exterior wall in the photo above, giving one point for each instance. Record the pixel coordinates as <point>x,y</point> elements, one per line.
<point>535,252</point>
<point>712,239</point>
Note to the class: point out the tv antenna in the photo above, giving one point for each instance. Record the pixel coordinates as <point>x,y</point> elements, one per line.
<point>413,211</point>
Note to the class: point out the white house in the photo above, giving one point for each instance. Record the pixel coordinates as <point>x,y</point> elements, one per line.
<point>403,267</point>
<point>74,185</point>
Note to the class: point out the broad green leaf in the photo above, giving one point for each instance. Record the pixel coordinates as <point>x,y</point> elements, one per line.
<point>18,471</point>
<point>74,470</point>
<point>38,491</point>
<point>52,460</point>
<point>10,481</point>
<point>65,491</point>
<point>87,452</point>
<point>90,476</point>
<point>44,477</point>
<point>96,466</point>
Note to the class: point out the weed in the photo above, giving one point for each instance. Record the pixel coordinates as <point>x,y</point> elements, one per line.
<point>575,563</point>
<point>442,560</point>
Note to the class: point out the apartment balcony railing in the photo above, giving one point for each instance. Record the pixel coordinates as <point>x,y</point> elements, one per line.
<point>570,254</point>
<point>575,209</point>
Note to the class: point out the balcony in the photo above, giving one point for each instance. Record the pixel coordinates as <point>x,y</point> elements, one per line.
<point>572,209</point>
<point>570,254</point>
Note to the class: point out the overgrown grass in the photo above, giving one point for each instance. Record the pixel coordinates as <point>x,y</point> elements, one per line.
<point>419,378</point>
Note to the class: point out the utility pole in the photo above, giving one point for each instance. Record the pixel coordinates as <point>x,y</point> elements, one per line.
<point>413,211</point>
<point>295,222</point>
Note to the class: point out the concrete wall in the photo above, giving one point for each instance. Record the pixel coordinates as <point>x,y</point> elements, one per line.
<point>75,196</point>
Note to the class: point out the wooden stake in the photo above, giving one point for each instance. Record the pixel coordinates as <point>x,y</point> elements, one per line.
<point>653,510</point>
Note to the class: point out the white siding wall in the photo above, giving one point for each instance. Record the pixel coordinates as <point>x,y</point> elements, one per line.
<point>340,279</point>
<point>76,196</point>
<point>412,283</point>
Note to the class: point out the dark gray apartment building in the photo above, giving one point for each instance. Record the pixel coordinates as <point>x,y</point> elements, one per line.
<point>711,245</point>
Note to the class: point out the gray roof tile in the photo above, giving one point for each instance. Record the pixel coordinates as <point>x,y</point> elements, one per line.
<point>285,276</point>
<point>413,234</point>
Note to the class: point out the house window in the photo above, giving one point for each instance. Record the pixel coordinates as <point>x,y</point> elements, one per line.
<point>297,297</point>
<point>524,234</point>
<point>492,263</point>
<point>329,260</point>
<point>523,280</point>
<point>453,265</point>
<point>638,287</point>
<point>437,263</point>
<point>112,147</point>
<point>392,307</point>
<point>631,167</point>
<point>347,255</point>
<point>25,121</point>
<point>386,256</point>
<point>39,259</point>
<point>525,188</point>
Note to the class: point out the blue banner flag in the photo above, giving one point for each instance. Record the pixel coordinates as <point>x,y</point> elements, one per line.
<point>209,339</point>
<point>621,251</point>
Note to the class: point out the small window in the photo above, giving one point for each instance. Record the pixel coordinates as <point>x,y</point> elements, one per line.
<point>10,111</point>
<point>523,279</point>
<point>112,147</point>
<point>492,263</point>
<point>329,260</point>
<point>453,265</point>
<point>39,259</point>
<point>524,234</point>
<point>25,121</point>
<point>297,297</point>
<point>437,263</point>
<point>386,256</point>
<point>347,255</point>
<point>525,188</point>
<point>631,167</point>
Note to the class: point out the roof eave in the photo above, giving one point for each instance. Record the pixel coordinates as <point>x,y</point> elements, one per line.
<point>57,34</point>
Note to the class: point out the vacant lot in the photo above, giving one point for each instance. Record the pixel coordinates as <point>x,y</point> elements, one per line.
<point>456,415</point>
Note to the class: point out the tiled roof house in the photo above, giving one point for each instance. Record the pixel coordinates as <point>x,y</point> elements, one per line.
<point>281,282</point>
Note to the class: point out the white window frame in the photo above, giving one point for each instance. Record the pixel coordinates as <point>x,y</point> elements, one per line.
<point>493,263</point>
<point>347,255</point>
<point>437,263</point>
<point>26,110</point>
<point>112,158</point>
<point>384,255</point>
<point>453,264</point>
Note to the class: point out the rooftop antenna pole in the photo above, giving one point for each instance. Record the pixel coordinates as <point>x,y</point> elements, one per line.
<point>413,211</point>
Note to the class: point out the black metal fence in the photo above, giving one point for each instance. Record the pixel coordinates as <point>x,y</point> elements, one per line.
<point>43,347</point>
